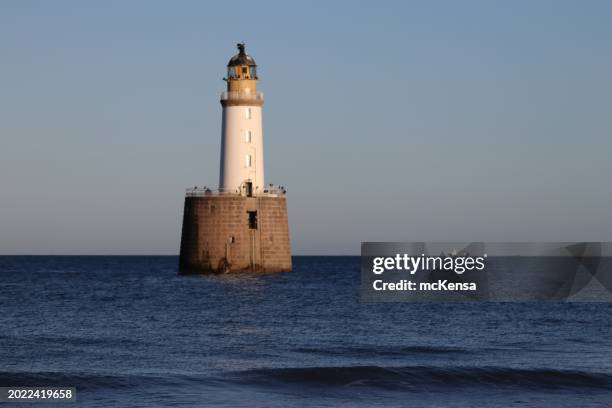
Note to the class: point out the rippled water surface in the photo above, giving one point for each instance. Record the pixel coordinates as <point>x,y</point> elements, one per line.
<point>127,331</point>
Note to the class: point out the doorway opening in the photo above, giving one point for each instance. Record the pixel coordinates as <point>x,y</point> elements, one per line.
<point>252,219</point>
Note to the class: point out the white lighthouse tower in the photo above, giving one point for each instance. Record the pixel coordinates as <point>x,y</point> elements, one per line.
<point>242,159</point>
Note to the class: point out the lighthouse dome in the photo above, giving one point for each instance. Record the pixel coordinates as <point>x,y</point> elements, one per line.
<point>242,58</point>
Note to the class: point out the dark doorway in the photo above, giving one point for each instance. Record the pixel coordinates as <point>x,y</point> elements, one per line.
<point>249,189</point>
<point>252,219</point>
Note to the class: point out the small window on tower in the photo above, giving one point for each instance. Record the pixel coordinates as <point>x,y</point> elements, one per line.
<point>248,112</point>
<point>248,136</point>
<point>248,160</point>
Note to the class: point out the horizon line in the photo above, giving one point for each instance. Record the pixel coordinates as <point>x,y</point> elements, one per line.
<point>150,255</point>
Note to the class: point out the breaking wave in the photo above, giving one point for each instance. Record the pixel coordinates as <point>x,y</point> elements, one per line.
<point>423,377</point>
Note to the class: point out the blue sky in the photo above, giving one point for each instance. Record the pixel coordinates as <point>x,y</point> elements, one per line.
<point>406,121</point>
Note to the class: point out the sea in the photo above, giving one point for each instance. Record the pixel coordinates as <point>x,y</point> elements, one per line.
<point>128,331</point>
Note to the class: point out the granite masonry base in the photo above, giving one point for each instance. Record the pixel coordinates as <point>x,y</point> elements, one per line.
<point>233,233</point>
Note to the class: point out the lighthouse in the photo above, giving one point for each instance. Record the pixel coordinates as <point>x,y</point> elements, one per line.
<point>242,160</point>
<point>243,225</point>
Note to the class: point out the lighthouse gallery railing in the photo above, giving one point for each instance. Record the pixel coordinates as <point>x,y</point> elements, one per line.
<point>270,190</point>
<point>242,96</point>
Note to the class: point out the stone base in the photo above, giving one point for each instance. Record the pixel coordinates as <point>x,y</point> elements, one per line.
<point>221,233</point>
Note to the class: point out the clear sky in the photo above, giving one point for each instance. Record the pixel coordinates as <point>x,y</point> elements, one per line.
<point>431,120</point>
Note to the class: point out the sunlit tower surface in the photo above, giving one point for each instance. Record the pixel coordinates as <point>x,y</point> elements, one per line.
<point>242,161</point>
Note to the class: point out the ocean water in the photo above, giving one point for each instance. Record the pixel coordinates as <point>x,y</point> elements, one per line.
<point>129,332</point>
